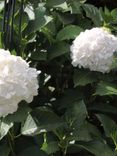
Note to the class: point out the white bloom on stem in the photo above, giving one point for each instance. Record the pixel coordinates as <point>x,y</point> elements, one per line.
<point>18,82</point>
<point>94,49</point>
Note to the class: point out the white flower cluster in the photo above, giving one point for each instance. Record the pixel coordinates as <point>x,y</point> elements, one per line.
<point>17,82</point>
<point>94,49</point>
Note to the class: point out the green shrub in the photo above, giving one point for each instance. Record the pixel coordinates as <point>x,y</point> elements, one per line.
<point>75,110</point>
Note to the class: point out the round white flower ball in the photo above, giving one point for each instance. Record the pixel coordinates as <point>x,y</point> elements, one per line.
<point>94,49</point>
<point>17,82</point>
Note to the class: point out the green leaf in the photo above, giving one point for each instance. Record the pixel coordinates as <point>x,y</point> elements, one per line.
<point>66,18</point>
<point>93,13</point>
<point>103,107</point>
<point>41,120</point>
<point>32,151</point>
<point>57,4</point>
<point>41,19</point>
<point>76,114</point>
<point>107,77</point>
<point>70,97</point>
<point>69,32</point>
<point>30,11</point>
<point>76,6</point>
<point>105,88</point>
<point>4,127</point>
<point>97,148</point>
<point>29,127</point>
<point>20,115</point>
<point>50,145</point>
<point>114,14</point>
<point>106,14</point>
<point>109,125</point>
<point>58,49</point>
<point>39,56</point>
<point>86,132</point>
<point>46,119</point>
<point>85,23</point>
<point>49,31</point>
<point>82,78</point>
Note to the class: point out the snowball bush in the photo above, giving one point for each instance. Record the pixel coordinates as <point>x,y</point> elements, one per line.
<point>94,49</point>
<point>17,82</point>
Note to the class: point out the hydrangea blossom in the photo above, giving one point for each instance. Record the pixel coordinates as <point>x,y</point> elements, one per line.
<point>17,82</point>
<point>94,49</point>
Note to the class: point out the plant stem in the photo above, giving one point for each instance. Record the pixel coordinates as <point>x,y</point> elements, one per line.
<point>65,150</point>
<point>11,143</point>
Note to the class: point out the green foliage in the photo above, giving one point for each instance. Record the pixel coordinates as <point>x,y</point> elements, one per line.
<point>69,32</point>
<point>41,19</point>
<point>50,144</point>
<point>4,128</point>
<point>61,4</point>
<point>82,78</point>
<point>97,148</point>
<point>110,127</point>
<point>104,88</point>
<point>58,49</point>
<point>75,110</point>
<point>93,13</point>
